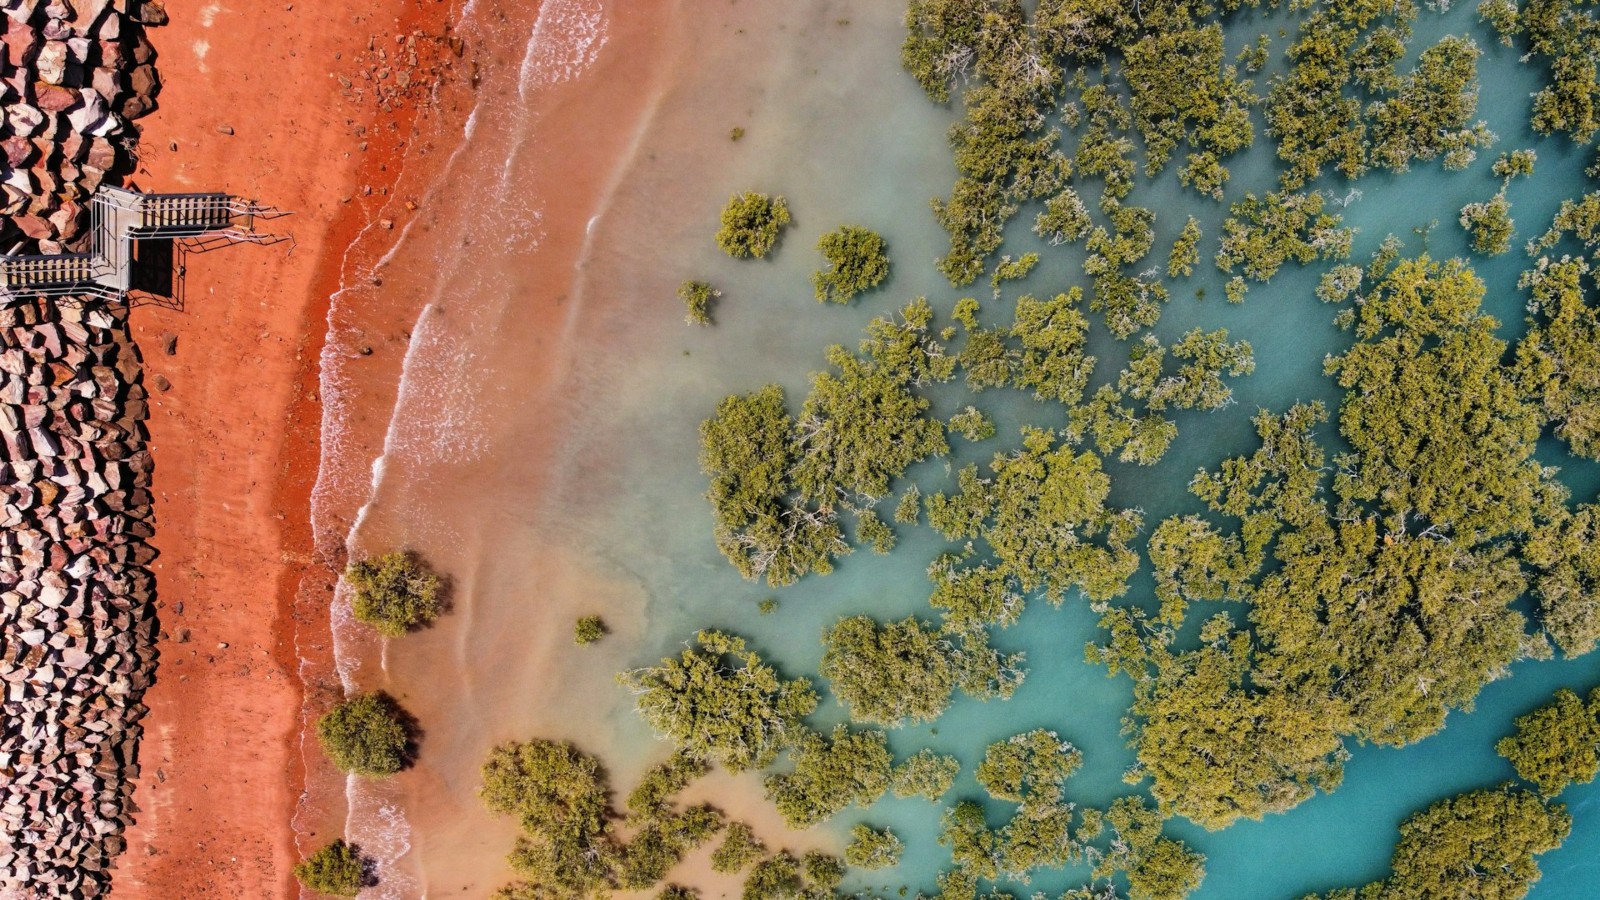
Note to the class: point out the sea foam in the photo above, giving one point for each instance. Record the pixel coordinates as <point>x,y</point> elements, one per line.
<point>436,416</point>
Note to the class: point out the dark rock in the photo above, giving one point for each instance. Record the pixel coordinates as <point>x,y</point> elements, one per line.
<point>15,200</point>
<point>140,48</point>
<point>144,81</point>
<point>136,107</point>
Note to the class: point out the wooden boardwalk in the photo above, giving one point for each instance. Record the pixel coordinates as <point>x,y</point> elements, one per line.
<point>120,219</point>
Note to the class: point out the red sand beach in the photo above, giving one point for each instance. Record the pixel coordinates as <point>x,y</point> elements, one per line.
<point>235,438</point>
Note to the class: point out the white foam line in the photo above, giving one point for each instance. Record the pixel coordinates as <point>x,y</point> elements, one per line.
<point>566,39</point>
<point>550,59</point>
<point>378,825</point>
<point>335,413</point>
<point>381,827</point>
<point>332,399</point>
<point>390,439</point>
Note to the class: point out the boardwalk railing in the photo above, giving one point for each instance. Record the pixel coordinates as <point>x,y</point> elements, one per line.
<point>35,271</point>
<point>119,217</point>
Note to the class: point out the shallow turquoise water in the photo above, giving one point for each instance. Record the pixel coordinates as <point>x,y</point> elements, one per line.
<point>836,126</point>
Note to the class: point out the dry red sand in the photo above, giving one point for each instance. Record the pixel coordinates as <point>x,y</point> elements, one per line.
<point>235,438</point>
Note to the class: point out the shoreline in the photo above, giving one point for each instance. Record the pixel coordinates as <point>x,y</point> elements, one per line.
<point>559,166</point>
<point>223,763</point>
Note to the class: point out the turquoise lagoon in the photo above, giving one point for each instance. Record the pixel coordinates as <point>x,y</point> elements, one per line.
<point>834,124</point>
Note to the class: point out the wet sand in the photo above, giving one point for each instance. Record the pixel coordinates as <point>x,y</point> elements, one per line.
<point>505,264</point>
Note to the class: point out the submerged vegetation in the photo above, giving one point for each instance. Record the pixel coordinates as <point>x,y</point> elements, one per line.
<point>570,846</point>
<point>1359,570</point>
<point>697,297</point>
<point>857,259</point>
<point>830,774</point>
<point>906,671</point>
<point>1557,744</point>
<point>1048,831</point>
<point>872,849</point>
<point>924,774</point>
<point>1478,844</point>
<point>718,701</point>
<point>751,223</point>
<point>1390,602</point>
<point>588,629</point>
<point>1489,224</point>
<point>778,481</point>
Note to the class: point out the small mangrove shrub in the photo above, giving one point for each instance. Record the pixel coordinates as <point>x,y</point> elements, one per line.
<point>337,870</point>
<point>394,593</point>
<point>750,224</point>
<point>697,297</point>
<point>871,848</point>
<point>739,848</point>
<point>588,630</point>
<point>1489,225</point>
<point>857,261</point>
<point>367,734</point>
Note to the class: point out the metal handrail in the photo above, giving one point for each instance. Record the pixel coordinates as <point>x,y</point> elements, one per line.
<point>209,219</point>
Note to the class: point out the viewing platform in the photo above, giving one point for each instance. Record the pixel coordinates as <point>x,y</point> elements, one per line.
<point>121,220</point>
